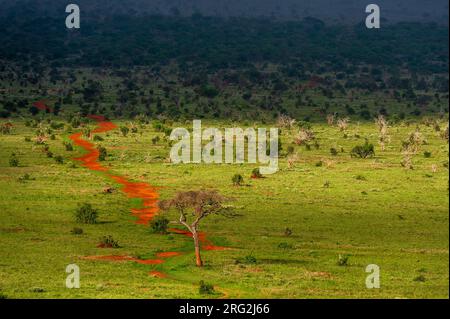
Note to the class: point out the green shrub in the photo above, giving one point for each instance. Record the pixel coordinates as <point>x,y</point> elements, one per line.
<point>59,159</point>
<point>68,146</point>
<point>108,242</point>
<point>102,153</point>
<point>85,214</point>
<point>155,140</point>
<point>420,278</point>
<point>256,173</point>
<point>427,154</point>
<point>98,138</point>
<point>290,150</point>
<point>287,232</point>
<point>159,224</point>
<point>205,289</point>
<point>343,260</point>
<point>3,296</point>
<point>333,151</point>
<point>13,160</point>
<point>363,151</point>
<point>124,130</point>
<point>319,164</point>
<point>237,180</point>
<point>76,231</point>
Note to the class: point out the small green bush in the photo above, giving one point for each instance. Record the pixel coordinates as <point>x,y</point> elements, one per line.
<point>76,231</point>
<point>13,160</point>
<point>124,130</point>
<point>59,159</point>
<point>256,173</point>
<point>85,214</point>
<point>287,232</point>
<point>68,146</point>
<point>237,180</point>
<point>102,153</point>
<point>108,242</point>
<point>98,138</point>
<point>333,151</point>
<point>155,140</point>
<point>290,150</point>
<point>159,224</point>
<point>363,151</point>
<point>420,278</point>
<point>427,154</point>
<point>343,260</point>
<point>205,289</point>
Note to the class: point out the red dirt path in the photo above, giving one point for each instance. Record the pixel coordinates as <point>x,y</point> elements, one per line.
<point>143,191</point>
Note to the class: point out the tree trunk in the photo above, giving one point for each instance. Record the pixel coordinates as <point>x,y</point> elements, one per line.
<point>198,258</point>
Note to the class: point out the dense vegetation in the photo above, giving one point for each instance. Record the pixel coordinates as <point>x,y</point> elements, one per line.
<point>224,68</point>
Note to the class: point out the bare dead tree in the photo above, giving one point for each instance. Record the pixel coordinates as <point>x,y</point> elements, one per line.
<point>384,137</point>
<point>193,206</point>
<point>285,121</point>
<point>343,124</point>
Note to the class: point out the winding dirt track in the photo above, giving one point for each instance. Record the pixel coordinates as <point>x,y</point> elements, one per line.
<point>143,191</point>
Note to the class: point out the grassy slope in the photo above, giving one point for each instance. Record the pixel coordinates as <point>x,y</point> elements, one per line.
<point>400,222</point>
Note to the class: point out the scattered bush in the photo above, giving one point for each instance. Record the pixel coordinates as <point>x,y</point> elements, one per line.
<point>158,225</point>
<point>360,178</point>
<point>76,231</point>
<point>124,130</point>
<point>26,177</point>
<point>205,289</point>
<point>98,138</point>
<point>155,140</point>
<point>68,146</point>
<point>420,278</point>
<point>319,164</point>
<point>37,289</point>
<point>333,151</point>
<point>343,260</point>
<point>290,150</point>
<point>102,153</point>
<point>287,232</point>
<point>427,154</point>
<point>256,173</point>
<point>108,242</point>
<point>85,214</point>
<point>363,151</point>
<point>59,159</point>
<point>13,160</point>
<point>237,180</point>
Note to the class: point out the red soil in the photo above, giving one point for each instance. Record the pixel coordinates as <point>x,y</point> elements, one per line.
<point>140,190</point>
<point>126,258</point>
<point>206,244</point>
<point>41,106</point>
<point>168,254</point>
<point>157,274</point>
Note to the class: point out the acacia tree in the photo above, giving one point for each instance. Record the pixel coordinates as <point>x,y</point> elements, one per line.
<point>193,206</point>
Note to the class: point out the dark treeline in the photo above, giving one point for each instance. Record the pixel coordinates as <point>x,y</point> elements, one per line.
<point>218,43</point>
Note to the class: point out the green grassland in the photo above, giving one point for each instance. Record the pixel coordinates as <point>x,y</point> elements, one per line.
<point>372,210</point>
